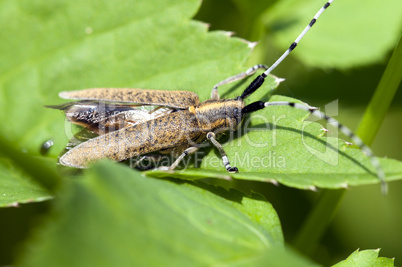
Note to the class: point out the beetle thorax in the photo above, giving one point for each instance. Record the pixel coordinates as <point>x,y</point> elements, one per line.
<point>219,115</point>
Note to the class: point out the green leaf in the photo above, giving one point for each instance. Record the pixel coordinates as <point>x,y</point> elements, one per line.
<point>28,181</point>
<point>127,45</point>
<point>366,258</point>
<point>17,187</point>
<point>136,45</point>
<point>59,46</point>
<point>279,257</point>
<point>362,33</point>
<point>116,216</point>
<point>281,146</point>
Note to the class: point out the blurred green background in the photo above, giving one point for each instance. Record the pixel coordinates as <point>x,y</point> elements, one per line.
<point>365,219</point>
<point>342,58</point>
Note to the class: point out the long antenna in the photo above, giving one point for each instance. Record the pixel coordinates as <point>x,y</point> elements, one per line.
<point>259,80</point>
<point>294,44</point>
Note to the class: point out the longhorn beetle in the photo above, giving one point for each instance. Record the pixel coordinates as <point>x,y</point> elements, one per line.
<point>136,122</point>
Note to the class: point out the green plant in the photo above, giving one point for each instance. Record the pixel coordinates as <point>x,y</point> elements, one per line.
<point>111,214</point>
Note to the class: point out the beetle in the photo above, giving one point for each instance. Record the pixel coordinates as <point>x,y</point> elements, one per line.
<point>174,121</point>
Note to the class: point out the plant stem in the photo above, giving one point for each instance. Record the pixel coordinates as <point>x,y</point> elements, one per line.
<point>382,98</point>
<point>317,221</point>
<point>324,210</point>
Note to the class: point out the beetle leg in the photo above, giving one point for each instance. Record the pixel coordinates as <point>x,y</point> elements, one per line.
<point>186,152</point>
<point>248,72</point>
<point>226,163</point>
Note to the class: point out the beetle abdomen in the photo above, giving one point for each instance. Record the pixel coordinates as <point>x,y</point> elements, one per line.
<point>172,130</point>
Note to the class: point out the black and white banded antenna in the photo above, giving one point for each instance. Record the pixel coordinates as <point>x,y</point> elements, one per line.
<point>259,80</point>
<point>331,121</point>
<point>296,42</point>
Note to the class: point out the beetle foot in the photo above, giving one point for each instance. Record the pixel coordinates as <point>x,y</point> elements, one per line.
<point>233,170</point>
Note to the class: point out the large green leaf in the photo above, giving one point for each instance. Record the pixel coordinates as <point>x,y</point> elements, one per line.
<point>366,258</point>
<point>48,47</point>
<point>116,216</point>
<point>279,145</point>
<point>128,44</point>
<point>132,44</point>
<point>18,187</point>
<point>361,32</point>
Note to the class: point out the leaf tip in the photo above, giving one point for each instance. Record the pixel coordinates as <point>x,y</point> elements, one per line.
<point>277,80</point>
<point>312,188</point>
<point>272,181</point>
<point>225,177</point>
<point>251,45</point>
<point>229,33</point>
<point>14,205</point>
<point>206,25</point>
